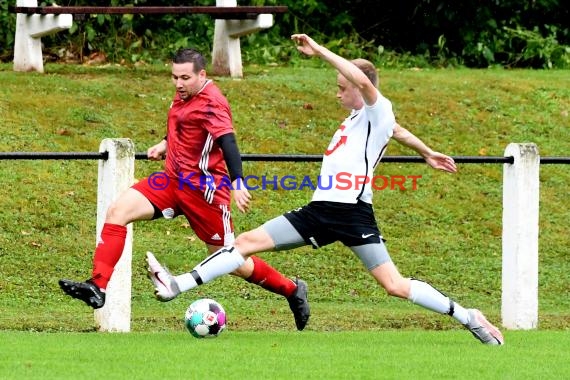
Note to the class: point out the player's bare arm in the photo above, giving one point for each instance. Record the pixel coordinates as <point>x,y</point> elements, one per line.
<point>353,74</point>
<point>434,159</point>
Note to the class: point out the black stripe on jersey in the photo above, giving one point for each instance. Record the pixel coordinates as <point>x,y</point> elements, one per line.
<point>381,154</point>
<point>365,159</point>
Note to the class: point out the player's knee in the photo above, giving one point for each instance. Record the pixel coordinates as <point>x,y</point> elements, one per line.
<point>397,289</point>
<point>244,241</point>
<point>115,214</point>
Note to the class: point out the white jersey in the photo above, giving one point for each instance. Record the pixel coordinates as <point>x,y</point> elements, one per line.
<point>354,152</point>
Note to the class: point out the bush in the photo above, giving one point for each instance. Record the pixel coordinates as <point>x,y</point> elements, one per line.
<point>434,32</point>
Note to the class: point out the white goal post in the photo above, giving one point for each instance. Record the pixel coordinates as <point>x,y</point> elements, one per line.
<point>519,308</point>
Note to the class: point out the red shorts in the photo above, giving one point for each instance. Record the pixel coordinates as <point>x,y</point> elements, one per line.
<point>212,223</point>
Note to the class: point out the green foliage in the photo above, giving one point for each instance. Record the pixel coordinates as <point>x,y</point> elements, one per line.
<point>132,38</point>
<point>531,49</point>
<point>7,31</point>
<point>507,33</point>
<point>517,47</point>
<point>422,33</point>
<point>265,49</point>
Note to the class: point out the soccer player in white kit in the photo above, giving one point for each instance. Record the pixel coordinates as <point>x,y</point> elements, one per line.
<point>340,212</point>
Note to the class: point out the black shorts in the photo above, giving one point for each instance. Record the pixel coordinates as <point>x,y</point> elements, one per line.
<point>321,223</point>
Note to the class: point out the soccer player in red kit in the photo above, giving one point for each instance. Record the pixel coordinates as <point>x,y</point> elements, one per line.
<point>203,165</point>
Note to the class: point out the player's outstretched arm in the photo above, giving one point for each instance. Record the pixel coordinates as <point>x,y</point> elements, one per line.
<point>434,159</point>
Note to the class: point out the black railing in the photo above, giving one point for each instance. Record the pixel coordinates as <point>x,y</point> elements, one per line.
<point>272,157</point>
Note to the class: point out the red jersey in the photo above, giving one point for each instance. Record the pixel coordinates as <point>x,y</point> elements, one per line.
<point>193,158</point>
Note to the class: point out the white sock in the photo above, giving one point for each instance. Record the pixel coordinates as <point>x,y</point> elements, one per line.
<point>425,295</point>
<point>223,261</point>
<point>185,282</point>
<point>460,313</point>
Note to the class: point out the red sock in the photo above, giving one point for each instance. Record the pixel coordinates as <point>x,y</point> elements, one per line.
<point>108,252</point>
<point>269,278</point>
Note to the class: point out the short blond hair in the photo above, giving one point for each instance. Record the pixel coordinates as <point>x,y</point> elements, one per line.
<point>368,69</point>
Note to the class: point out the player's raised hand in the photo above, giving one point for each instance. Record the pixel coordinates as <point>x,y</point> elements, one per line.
<point>306,44</point>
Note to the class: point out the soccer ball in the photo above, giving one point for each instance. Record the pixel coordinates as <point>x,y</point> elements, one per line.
<point>205,318</point>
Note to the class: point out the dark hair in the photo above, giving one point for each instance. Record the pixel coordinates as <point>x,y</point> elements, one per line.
<point>185,55</point>
<point>368,69</point>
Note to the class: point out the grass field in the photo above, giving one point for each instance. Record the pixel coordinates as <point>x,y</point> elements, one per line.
<point>447,232</point>
<point>416,354</point>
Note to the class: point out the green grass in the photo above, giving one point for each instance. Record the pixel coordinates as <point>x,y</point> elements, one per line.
<point>414,354</point>
<point>448,232</point>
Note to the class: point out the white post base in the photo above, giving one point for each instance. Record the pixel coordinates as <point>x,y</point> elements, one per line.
<point>116,174</point>
<point>519,308</point>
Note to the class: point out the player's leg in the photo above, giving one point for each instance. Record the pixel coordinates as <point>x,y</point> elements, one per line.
<point>132,205</point>
<point>225,260</point>
<point>280,235</point>
<point>213,224</point>
<point>230,259</point>
<point>377,260</point>
<point>256,271</point>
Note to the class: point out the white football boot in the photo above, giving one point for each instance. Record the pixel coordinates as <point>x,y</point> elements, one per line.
<point>165,286</point>
<point>483,330</point>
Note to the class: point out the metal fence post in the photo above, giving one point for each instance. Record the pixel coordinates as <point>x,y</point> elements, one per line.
<point>519,309</point>
<point>116,174</point>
